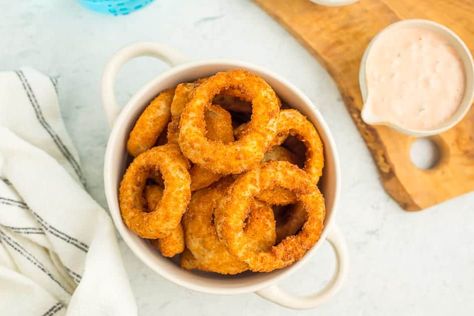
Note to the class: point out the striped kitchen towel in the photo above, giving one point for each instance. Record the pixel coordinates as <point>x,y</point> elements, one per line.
<point>58,250</point>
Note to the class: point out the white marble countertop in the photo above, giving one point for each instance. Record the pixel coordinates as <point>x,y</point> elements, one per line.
<point>401,263</point>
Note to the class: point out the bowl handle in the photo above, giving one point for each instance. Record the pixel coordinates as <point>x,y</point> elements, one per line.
<point>162,52</point>
<point>279,296</point>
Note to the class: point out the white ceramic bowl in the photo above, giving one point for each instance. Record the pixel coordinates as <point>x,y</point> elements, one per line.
<point>370,118</point>
<point>264,284</point>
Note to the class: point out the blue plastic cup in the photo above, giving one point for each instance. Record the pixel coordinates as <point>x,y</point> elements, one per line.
<point>115,7</point>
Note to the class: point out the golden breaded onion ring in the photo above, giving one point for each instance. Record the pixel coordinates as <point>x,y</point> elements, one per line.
<point>180,99</point>
<point>168,161</point>
<point>150,124</point>
<point>291,122</point>
<point>232,210</point>
<point>240,155</point>
<point>172,244</point>
<point>205,251</point>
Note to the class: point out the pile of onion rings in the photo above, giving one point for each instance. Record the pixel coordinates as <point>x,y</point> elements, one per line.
<point>224,177</point>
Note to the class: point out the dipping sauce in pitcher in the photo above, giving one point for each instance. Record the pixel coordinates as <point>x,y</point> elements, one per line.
<point>415,78</point>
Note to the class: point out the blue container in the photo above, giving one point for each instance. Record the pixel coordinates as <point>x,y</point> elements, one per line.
<point>115,7</point>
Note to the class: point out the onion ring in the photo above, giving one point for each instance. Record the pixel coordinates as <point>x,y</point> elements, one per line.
<point>232,210</point>
<point>172,244</point>
<point>205,251</point>
<point>168,161</point>
<point>181,98</point>
<point>150,124</point>
<point>292,122</point>
<point>240,155</point>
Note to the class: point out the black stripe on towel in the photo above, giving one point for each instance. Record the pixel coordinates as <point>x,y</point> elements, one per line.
<point>39,115</point>
<point>28,256</point>
<point>59,234</point>
<point>25,230</point>
<point>75,276</point>
<point>54,309</point>
<point>46,226</point>
<point>11,202</point>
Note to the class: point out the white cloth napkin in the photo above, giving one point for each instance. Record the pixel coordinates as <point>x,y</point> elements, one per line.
<point>58,251</point>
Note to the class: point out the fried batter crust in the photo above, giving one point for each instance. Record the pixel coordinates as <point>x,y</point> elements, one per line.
<point>172,244</point>
<point>232,210</point>
<point>291,122</point>
<point>150,124</point>
<point>206,252</point>
<point>246,152</point>
<point>168,161</point>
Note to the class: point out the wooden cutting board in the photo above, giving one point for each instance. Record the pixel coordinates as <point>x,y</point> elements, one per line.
<point>338,38</point>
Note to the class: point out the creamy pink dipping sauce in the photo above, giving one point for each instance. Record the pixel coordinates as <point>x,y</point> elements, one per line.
<point>415,79</point>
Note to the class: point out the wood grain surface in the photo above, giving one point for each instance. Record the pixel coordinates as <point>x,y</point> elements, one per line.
<point>337,37</point>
